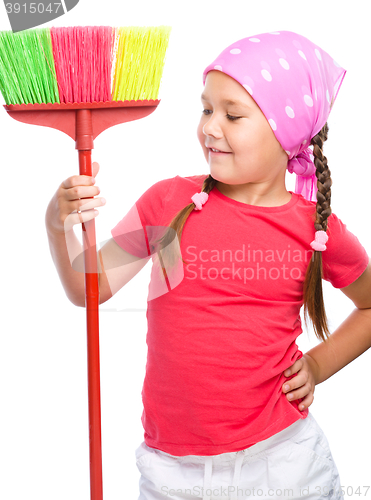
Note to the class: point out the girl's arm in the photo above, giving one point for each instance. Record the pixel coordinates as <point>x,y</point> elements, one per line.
<point>67,208</point>
<point>73,281</point>
<point>118,268</point>
<point>352,338</point>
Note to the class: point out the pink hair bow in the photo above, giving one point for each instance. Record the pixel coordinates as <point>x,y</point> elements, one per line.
<point>306,179</point>
<point>199,199</point>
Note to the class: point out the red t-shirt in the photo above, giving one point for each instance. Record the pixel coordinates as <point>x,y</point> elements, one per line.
<point>222,331</point>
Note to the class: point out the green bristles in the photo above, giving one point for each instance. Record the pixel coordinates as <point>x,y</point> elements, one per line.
<point>27,73</point>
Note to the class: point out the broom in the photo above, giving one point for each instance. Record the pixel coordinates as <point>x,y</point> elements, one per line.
<point>81,81</point>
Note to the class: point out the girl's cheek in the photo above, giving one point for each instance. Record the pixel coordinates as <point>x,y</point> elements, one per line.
<point>200,134</point>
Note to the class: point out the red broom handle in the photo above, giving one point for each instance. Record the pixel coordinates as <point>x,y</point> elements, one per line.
<point>84,144</point>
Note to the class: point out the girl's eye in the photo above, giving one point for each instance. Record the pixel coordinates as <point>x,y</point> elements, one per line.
<point>229,117</point>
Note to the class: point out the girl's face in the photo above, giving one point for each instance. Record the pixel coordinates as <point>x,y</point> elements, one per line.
<point>233,123</point>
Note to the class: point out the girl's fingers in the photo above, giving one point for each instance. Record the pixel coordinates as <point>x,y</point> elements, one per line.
<point>80,192</point>
<point>294,368</point>
<point>95,168</point>
<point>76,202</point>
<point>78,218</point>
<point>294,383</point>
<point>84,212</point>
<point>86,204</point>
<point>78,180</point>
<point>306,402</point>
<point>303,391</point>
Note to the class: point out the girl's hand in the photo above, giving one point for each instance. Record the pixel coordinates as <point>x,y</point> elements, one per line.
<point>304,382</point>
<point>69,206</point>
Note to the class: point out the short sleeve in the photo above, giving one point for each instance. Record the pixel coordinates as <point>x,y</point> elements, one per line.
<point>344,259</point>
<point>138,231</point>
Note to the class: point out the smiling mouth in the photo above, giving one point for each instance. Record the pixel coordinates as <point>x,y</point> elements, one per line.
<point>217,151</point>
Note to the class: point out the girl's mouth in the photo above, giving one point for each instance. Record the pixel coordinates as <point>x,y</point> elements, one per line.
<point>216,152</point>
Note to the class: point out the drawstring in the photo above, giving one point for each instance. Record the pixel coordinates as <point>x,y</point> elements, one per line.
<point>236,475</point>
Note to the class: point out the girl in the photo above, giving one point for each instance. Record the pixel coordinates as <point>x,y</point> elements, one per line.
<point>235,256</point>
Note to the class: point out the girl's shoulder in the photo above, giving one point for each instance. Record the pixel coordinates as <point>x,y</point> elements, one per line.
<point>333,219</point>
<point>196,180</point>
<point>191,180</point>
<point>173,190</point>
<point>183,186</point>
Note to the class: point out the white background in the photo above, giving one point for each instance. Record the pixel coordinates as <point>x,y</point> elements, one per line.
<point>44,441</point>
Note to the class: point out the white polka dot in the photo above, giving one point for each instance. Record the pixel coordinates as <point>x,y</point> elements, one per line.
<point>256,40</point>
<point>289,112</point>
<point>336,63</point>
<point>235,51</point>
<point>308,101</point>
<point>284,64</point>
<point>274,33</point>
<point>272,123</point>
<point>266,75</point>
<point>218,67</point>
<point>318,54</point>
<point>249,89</point>
<point>305,141</point>
<point>327,96</point>
<point>301,54</point>
<point>287,152</point>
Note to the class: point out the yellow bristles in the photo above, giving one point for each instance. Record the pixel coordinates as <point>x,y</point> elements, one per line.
<point>140,59</point>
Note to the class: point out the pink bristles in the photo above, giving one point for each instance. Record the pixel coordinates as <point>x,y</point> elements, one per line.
<point>83,62</point>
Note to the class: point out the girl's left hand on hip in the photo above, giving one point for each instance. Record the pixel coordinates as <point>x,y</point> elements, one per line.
<point>303,384</point>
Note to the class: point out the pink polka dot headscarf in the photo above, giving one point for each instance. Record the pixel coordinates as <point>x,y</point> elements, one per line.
<point>295,84</point>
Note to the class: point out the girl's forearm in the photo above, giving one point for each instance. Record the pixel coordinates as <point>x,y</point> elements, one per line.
<point>351,339</point>
<point>63,248</point>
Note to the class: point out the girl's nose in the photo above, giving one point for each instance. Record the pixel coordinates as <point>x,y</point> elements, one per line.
<point>211,127</point>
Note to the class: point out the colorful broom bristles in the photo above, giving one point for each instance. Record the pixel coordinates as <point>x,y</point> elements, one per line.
<point>82,64</point>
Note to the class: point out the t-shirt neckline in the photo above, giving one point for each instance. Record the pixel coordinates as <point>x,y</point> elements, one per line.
<point>246,206</point>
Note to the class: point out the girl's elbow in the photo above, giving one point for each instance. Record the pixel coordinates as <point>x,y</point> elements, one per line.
<point>76,301</point>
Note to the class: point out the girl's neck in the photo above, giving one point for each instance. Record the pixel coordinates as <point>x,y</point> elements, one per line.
<point>275,199</point>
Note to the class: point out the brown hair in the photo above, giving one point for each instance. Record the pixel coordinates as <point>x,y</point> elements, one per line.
<point>312,288</point>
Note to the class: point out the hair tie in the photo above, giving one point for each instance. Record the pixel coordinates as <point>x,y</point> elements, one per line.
<point>199,199</point>
<point>318,243</point>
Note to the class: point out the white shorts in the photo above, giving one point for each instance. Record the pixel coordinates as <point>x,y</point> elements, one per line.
<point>293,464</point>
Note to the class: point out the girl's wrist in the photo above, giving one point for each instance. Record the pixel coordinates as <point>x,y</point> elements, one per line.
<point>314,367</point>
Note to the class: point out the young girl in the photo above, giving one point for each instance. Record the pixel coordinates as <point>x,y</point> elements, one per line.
<point>235,256</point>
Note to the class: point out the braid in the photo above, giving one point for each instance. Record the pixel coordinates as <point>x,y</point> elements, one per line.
<point>313,294</point>
<point>175,228</point>
<point>324,182</point>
